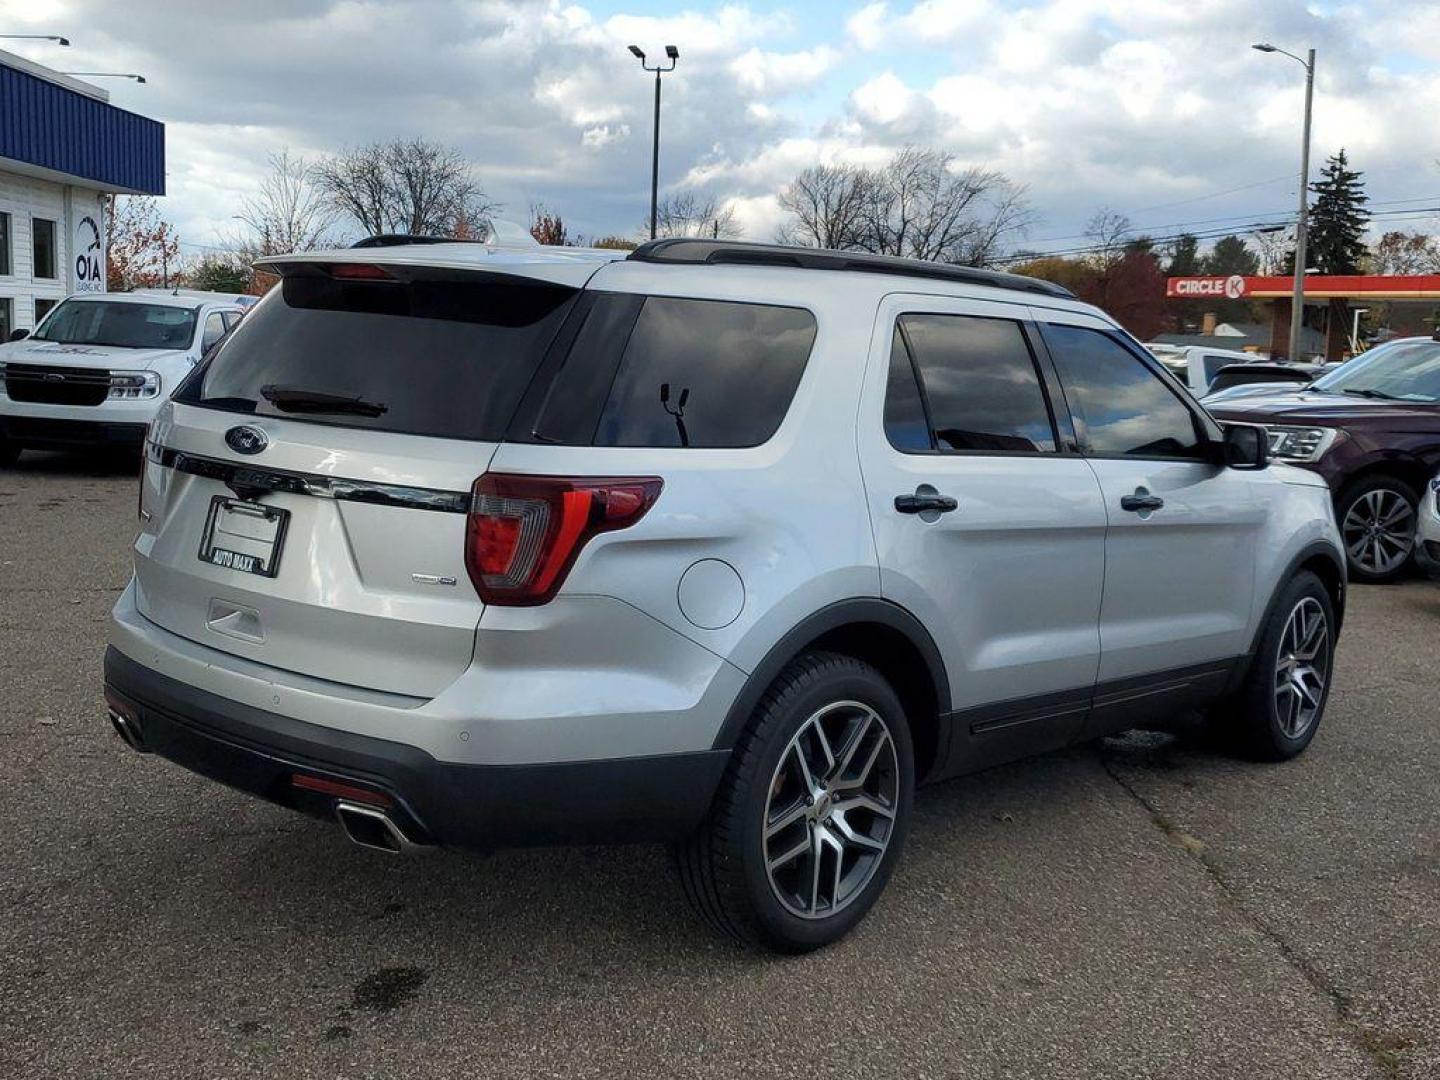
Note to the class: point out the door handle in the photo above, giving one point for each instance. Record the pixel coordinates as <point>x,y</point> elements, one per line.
<point>920,504</point>
<point>1141,502</point>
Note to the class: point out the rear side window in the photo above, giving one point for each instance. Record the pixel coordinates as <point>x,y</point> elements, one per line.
<point>448,357</point>
<point>1122,406</point>
<point>977,383</point>
<point>667,372</point>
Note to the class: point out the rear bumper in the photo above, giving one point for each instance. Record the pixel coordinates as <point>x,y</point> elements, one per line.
<point>455,805</point>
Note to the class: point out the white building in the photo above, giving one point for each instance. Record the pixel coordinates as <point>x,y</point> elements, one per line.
<point>63,148</point>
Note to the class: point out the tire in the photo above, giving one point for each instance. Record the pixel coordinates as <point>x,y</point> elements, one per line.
<point>760,814</point>
<point>9,452</point>
<point>1274,718</point>
<point>1377,517</point>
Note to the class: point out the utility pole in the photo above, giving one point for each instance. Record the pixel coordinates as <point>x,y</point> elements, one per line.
<point>1297,302</point>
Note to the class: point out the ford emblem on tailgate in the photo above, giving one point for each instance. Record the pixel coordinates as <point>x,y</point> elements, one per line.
<point>246,439</point>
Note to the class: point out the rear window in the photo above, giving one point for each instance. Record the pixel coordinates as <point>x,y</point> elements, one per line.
<point>669,372</point>
<point>448,358</point>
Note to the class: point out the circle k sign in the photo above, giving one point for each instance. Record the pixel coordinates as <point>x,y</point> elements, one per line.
<point>1231,288</point>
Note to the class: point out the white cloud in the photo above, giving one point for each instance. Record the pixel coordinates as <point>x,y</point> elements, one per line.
<point>868,26</point>
<point>768,73</point>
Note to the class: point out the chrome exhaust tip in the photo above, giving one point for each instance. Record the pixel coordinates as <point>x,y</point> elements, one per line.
<point>128,728</point>
<point>371,827</point>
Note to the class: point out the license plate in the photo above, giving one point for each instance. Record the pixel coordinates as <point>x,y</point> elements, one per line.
<point>244,536</point>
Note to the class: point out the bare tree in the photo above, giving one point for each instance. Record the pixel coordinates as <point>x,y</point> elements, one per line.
<point>826,204</point>
<point>684,213</point>
<point>1007,216</point>
<point>406,186</point>
<point>1274,247</point>
<point>1109,232</point>
<point>288,213</point>
<point>919,205</point>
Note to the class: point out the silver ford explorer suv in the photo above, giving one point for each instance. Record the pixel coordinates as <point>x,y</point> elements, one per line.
<point>731,546</point>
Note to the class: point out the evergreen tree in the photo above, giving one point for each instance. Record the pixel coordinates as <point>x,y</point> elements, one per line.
<point>1231,255</point>
<point>1184,256</point>
<point>1335,241</point>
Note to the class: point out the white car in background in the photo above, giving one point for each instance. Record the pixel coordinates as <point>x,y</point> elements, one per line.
<point>1196,365</point>
<point>99,365</point>
<point>1427,533</point>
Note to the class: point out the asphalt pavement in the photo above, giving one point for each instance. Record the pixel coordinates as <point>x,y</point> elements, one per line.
<point>1138,908</point>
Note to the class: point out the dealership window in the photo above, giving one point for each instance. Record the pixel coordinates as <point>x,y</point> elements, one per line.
<point>43,244</point>
<point>7,317</point>
<point>42,308</point>
<point>5,268</point>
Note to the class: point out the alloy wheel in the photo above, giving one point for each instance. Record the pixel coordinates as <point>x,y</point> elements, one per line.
<point>1302,668</point>
<point>831,808</point>
<point>1379,530</point>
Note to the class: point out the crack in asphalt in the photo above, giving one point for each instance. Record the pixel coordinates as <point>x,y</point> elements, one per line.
<point>1382,1049</point>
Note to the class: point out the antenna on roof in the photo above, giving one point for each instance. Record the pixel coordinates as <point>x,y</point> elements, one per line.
<point>507,234</point>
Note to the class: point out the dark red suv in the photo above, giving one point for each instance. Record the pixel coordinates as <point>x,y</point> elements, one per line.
<point>1372,429</point>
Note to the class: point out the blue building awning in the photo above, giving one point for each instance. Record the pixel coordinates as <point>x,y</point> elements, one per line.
<point>49,126</point>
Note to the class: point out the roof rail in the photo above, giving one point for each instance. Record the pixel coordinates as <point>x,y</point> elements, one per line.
<point>401,239</point>
<point>713,252</point>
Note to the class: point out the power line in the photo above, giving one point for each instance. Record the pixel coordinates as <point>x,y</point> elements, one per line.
<point>1286,221</point>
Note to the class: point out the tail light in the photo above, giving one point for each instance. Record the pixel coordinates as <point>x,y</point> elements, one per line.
<point>524,532</point>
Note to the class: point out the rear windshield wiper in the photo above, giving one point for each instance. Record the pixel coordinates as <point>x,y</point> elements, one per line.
<point>298,400</point>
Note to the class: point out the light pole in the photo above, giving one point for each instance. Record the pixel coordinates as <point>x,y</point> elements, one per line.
<point>37,37</point>
<point>674,55</point>
<point>1355,330</point>
<point>105,75</point>
<point>1297,303</point>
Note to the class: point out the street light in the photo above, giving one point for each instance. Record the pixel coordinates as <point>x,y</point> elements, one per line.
<point>37,37</point>
<point>105,75</point>
<point>1297,302</point>
<point>674,55</point>
<point>1355,329</point>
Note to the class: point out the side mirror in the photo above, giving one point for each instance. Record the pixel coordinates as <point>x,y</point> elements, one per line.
<point>1247,446</point>
<point>19,335</point>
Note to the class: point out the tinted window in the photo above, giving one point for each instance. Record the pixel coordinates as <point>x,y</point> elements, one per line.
<point>43,308</point>
<point>43,245</point>
<point>449,358</point>
<point>706,373</point>
<point>120,323</point>
<point>1124,406</point>
<point>905,424</point>
<point>7,318</point>
<point>4,243</point>
<point>1213,364</point>
<point>980,383</point>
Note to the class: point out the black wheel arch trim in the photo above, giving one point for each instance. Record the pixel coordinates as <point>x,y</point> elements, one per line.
<point>1309,552</point>
<point>834,616</point>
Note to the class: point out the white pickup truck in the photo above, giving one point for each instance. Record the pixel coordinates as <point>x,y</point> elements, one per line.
<point>98,367</point>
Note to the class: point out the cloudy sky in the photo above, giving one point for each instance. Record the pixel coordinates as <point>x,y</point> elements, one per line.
<point>1154,108</point>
